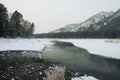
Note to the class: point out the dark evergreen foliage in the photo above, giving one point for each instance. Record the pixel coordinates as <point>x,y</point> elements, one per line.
<point>14,26</point>
<point>83,34</point>
<point>3,19</point>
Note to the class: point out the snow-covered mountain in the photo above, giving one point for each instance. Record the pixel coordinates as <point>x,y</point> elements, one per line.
<point>86,24</point>
<point>110,23</point>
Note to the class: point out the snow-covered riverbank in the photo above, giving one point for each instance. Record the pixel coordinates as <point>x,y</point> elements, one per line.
<point>94,46</point>
<point>104,47</point>
<point>23,44</point>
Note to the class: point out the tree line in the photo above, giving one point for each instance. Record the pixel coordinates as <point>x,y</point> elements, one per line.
<point>13,25</point>
<point>83,34</point>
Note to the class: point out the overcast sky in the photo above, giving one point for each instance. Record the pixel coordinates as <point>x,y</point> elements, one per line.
<point>49,15</point>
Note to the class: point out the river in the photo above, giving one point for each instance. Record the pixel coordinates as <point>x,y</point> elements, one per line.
<point>79,59</point>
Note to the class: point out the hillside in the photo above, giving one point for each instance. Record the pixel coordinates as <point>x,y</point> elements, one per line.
<point>86,24</point>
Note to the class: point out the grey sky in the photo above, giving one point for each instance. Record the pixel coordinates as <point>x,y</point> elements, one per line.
<point>49,15</point>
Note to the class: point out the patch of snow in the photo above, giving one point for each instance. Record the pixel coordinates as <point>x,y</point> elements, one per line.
<point>23,44</point>
<point>84,78</point>
<point>12,79</point>
<point>40,73</point>
<point>40,56</point>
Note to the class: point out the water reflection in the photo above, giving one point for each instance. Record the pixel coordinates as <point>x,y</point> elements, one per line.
<point>79,59</point>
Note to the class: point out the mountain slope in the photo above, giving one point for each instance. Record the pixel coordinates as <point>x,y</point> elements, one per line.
<point>86,24</point>
<point>110,23</point>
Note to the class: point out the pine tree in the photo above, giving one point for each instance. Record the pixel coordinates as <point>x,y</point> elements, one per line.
<point>16,21</point>
<point>32,28</point>
<point>3,20</point>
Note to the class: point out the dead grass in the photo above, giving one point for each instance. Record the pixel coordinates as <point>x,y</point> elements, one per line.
<point>55,73</point>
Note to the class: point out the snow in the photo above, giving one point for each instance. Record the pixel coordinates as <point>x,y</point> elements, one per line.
<point>23,44</point>
<point>84,78</point>
<point>103,47</point>
<point>40,73</point>
<point>12,79</point>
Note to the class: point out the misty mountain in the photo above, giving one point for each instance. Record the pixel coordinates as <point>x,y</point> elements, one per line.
<point>110,23</point>
<point>101,21</point>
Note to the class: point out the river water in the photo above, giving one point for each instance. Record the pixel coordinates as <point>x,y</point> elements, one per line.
<point>80,60</point>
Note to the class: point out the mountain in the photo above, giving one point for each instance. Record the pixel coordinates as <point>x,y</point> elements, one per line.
<point>110,23</point>
<point>101,25</point>
<point>86,24</point>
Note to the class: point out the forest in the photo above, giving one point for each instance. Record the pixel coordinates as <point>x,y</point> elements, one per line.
<point>13,24</point>
<point>83,34</point>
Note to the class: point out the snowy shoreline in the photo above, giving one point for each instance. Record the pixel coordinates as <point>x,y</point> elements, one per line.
<point>103,47</point>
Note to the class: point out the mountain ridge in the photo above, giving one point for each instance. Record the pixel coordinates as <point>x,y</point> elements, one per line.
<point>86,25</point>
<point>110,23</point>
